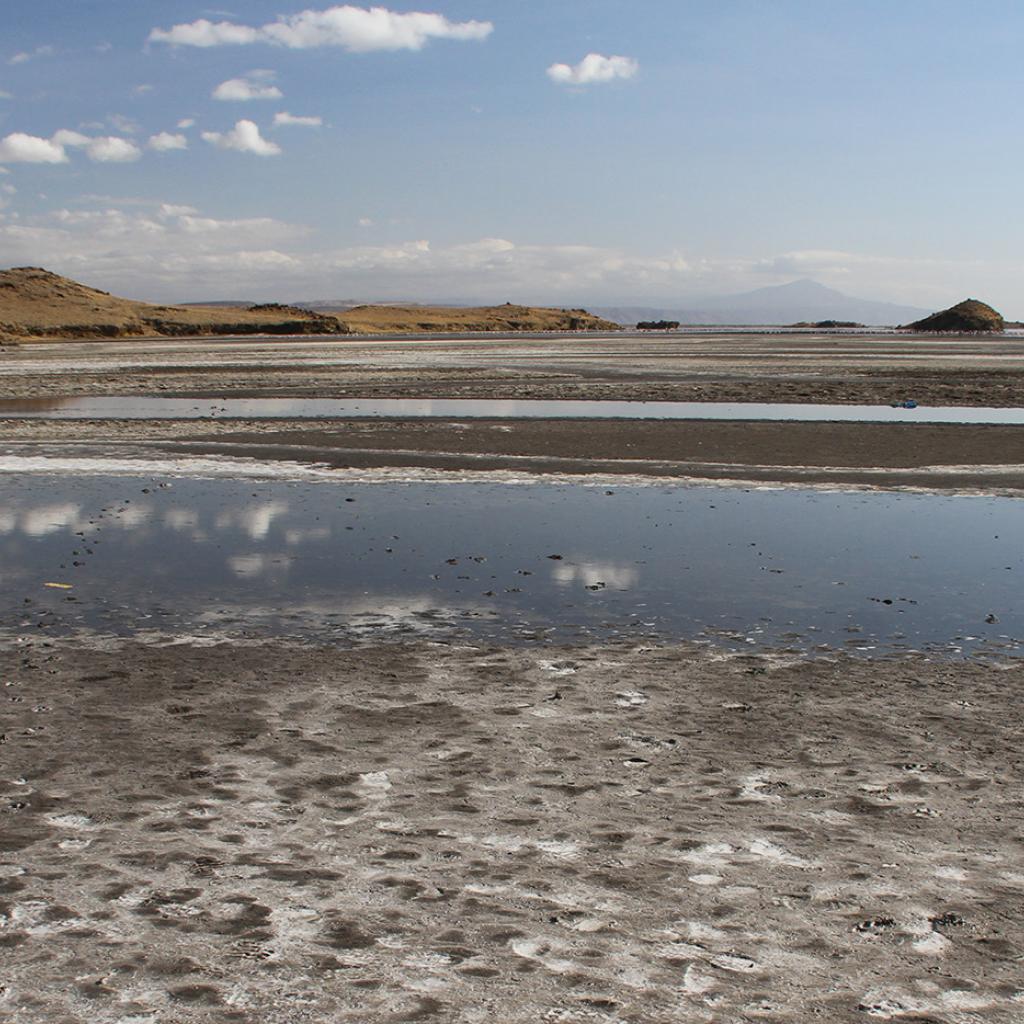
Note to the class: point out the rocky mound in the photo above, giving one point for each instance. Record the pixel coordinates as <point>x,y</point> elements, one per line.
<point>969,316</point>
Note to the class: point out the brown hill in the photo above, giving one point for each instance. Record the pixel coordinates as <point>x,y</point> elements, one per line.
<point>471,319</point>
<point>36,304</point>
<point>968,316</point>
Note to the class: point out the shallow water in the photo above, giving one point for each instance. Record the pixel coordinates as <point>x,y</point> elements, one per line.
<point>870,572</point>
<point>149,408</point>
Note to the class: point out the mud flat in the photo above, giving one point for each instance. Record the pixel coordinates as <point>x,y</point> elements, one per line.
<point>203,826</point>
<point>717,367</point>
<point>872,369</point>
<point>273,833</point>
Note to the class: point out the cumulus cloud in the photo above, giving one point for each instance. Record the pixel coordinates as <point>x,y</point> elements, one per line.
<point>67,137</point>
<point>162,142</point>
<point>187,122</point>
<point>245,138</point>
<point>356,29</point>
<point>6,95</point>
<point>112,150</point>
<point>108,149</point>
<point>284,119</point>
<point>592,69</point>
<point>166,251</point>
<point>19,148</point>
<point>256,85</point>
<point>172,252</point>
<point>206,33</point>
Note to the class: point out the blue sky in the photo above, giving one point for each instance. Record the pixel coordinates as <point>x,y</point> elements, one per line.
<point>706,146</point>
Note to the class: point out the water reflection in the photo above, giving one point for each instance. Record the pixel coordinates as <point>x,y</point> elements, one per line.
<point>869,572</point>
<point>143,407</point>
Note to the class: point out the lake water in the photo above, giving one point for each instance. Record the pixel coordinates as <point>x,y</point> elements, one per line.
<point>149,408</point>
<point>874,573</point>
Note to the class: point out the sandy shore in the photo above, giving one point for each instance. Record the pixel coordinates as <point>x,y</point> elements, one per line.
<point>275,834</point>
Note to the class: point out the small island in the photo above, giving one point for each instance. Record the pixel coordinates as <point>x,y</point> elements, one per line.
<point>827,325</point>
<point>968,317</point>
<point>658,325</point>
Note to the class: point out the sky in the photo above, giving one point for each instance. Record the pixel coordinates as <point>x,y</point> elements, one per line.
<point>567,152</point>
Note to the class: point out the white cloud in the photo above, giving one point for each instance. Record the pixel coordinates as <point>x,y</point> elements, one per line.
<point>245,138</point>
<point>593,68</point>
<point>284,118</point>
<point>365,222</point>
<point>26,56</point>
<point>67,137</point>
<point>112,150</point>
<point>6,95</point>
<point>256,85</point>
<point>19,148</point>
<point>107,149</point>
<point>123,124</point>
<point>174,210</point>
<point>205,33</point>
<point>170,252</point>
<point>164,141</point>
<point>187,122</point>
<point>355,29</point>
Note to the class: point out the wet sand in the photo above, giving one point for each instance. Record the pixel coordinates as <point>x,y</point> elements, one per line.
<point>280,834</point>
<point>936,457</point>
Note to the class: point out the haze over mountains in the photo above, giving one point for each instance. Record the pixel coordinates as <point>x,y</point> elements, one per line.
<point>782,304</point>
<point>803,300</point>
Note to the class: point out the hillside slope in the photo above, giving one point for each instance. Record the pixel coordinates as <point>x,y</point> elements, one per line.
<point>36,304</point>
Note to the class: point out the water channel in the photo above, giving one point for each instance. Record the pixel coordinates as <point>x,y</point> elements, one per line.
<point>151,408</point>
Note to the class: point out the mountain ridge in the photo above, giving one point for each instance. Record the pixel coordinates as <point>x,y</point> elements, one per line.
<point>782,305</point>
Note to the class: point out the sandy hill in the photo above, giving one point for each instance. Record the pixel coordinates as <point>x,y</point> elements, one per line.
<point>36,304</point>
<point>967,316</point>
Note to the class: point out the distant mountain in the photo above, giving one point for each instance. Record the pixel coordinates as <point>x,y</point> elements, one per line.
<point>783,304</point>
